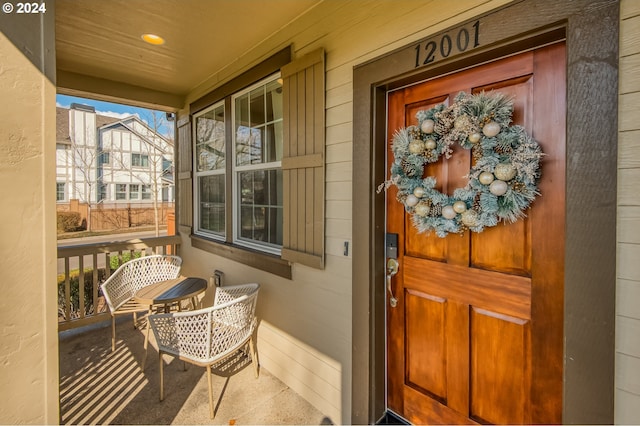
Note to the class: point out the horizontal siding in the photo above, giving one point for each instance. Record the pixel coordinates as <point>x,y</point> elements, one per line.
<point>628,193</point>
<point>629,149</point>
<point>340,133</point>
<point>304,337</point>
<point>339,152</point>
<point>627,297</point>
<point>628,224</point>
<point>629,382</point>
<point>304,369</point>
<point>627,397</point>
<point>626,326</point>
<point>630,36</point>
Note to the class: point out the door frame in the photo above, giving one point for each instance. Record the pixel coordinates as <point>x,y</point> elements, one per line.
<point>590,29</point>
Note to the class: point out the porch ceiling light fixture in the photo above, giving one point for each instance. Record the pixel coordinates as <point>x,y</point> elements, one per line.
<point>152,39</point>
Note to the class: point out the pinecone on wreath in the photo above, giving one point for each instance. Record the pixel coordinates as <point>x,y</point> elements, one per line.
<point>409,169</point>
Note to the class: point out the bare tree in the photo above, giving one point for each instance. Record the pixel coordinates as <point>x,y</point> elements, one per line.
<point>154,161</point>
<point>85,155</point>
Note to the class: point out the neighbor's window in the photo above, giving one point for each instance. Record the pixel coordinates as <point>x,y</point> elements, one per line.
<point>104,157</point>
<point>146,192</point>
<point>121,191</point>
<point>139,160</point>
<point>134,191</point>
<point>60,196</point>
<point>254,206</point>
<point>102,192</point>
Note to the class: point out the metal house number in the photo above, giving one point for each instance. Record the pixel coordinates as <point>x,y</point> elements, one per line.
<point>429,51</point>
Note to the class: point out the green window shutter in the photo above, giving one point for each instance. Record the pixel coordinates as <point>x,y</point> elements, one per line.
<point>184,182</point>
<point>303,160</point>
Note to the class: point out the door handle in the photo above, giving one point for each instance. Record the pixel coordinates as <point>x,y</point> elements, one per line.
<point>392,269</point>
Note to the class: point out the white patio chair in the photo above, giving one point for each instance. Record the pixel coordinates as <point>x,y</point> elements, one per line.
<point>119,289</point>
<point>210,335</point>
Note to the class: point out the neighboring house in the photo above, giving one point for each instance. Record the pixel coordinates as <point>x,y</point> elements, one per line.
<point>102,159</point>
<point>302,217</point>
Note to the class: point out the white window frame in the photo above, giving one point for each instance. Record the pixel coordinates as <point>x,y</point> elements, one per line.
<point>134,195</point>
<point>141,157</point>
<point>199,174</point>
<point>116,192</point>
<point>64,192</point>
<point>235,170</point>
<point>146,192</point>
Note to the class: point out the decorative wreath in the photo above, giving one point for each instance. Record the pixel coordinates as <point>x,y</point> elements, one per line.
<point>502,182</point>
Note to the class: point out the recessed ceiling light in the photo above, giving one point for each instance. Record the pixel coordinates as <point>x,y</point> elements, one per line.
<point>153,39</point>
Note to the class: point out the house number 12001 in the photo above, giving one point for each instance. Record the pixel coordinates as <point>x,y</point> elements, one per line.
<point>431,50</point>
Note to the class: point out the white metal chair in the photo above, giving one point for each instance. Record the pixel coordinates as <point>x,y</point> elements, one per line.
<point>119,289</point>
<point>210,335</point>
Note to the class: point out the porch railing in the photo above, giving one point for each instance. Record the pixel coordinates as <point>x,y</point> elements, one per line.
<point>82,268</point>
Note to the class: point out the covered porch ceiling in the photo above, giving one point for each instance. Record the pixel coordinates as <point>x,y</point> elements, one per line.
<point>100,52</point>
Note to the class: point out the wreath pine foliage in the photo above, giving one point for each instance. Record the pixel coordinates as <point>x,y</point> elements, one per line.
<point>502,179</point>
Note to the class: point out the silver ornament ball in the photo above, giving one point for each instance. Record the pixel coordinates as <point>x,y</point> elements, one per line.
<point>422,209</point>
<point>505,171</point>
<point>427,126</point>
<point>491,129</point>
<point>469,218</point>
<point>459,206</point>
<point>411,200</point>
<point>448,212</point>
<point>416,146</point>
<point>486,178</point>
<point>498,187</point>
<point>419,192</point>
<point>430,144</point>
<point>474,137</point>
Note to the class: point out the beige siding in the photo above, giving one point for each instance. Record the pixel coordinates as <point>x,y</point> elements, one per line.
<point>28,313</point>
<point>627,398</point>
<point>305,334</point>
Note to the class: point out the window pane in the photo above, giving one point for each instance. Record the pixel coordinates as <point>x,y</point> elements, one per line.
<point>273,144</point>
<point>59,191</point>
<point>256,111</point>
<point>121,191</point>
<point>210,142</point>
<point>146,192</point>
<point>260,206</point>
<point>242,111</point>
<point>258,125</point>
<point>212,197</point>
<point>134,191</point>
<point>274,101</point>
<point>248,146</point>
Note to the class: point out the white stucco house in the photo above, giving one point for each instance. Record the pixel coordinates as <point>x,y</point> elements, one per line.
<point>101,159</point>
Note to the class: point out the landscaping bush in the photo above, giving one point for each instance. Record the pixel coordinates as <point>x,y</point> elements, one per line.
<point>68,221</point>
<point>115,262</point>
<point>74,279</point>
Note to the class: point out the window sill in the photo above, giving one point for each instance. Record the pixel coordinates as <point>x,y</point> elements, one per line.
<point>263,261</point>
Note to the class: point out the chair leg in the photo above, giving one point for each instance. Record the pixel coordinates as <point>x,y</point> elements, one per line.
<point>135,320</point>
<point>254,356</point>
<point>211,414</point>
<point>161,377</point>
<point>146,344</point>
<point>113,333</point>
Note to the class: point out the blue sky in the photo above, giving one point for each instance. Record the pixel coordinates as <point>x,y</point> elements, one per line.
<point>115,110</point>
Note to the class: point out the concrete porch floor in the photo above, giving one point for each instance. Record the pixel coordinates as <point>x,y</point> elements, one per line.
<point>98,386</point>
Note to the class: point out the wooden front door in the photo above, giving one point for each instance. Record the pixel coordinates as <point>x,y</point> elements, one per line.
<point>477,333</point>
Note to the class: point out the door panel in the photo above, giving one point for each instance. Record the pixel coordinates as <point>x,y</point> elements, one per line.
<point>477,332</point>
<point>499,367</point>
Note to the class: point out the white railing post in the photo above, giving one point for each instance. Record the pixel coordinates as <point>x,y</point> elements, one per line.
<point>81,313</point>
